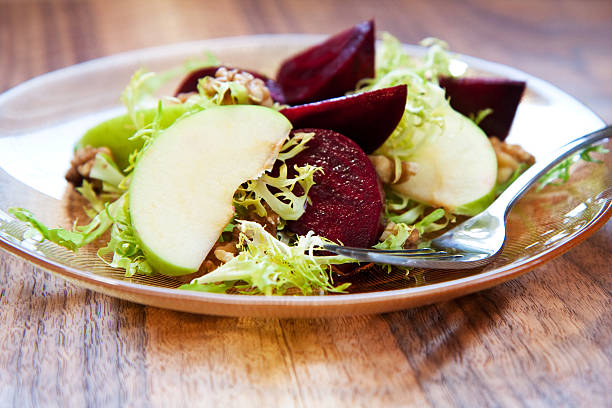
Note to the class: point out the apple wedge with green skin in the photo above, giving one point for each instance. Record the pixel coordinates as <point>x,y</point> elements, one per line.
<point>115,133</point>
<point>456,169</point>
<point>180,195</point>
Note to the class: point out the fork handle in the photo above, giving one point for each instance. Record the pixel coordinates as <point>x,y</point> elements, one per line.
<point>520,186</point>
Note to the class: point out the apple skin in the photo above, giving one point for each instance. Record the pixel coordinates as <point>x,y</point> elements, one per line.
<point>367,118</point>
<point>181,190</point>
<point>190,82</point>
<point>161,265</point>
<point>456,169</point>
<point>471,95</point>
<point>115,133</point>
<point>477,206</point>
<point>329,69</point>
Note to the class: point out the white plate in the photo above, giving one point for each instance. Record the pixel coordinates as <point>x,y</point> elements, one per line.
<point>41,119</point>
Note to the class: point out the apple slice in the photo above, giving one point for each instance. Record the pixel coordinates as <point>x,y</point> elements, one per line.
<point>115,133</point>
<point>181,191</point>
<point>329,69</point>
<point>190,82</point>
<point>367,118</point>
<point>345,204</point>
<point>471,95</point>
<point>456,170</point>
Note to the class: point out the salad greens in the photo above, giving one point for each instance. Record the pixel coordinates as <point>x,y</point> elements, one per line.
<point>284,202</point>
<point>275,267</point>
<point>265,265</point>
<point>143,85</point>
<point>426,102</point>
<point>421,217</point>
<point>70,239</point>
<point>479,117</point>
<point>561,172</point>
<point>123,244</point>
<point>398,239</point>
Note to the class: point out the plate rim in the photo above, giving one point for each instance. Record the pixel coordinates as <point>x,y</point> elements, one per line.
<point>419,295</point>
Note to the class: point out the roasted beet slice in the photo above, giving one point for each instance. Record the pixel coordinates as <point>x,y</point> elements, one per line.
<point>368,118</point>
<point>329,69</point>
<point>190,82</point>
<point>346,201</point>
<point>471,95</point>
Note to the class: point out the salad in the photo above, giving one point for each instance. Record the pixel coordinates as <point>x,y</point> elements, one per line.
<point>235,182</point>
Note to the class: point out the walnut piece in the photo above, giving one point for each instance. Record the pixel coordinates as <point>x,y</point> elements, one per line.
<point>270,221</point>
<point>82,162</point>
<point>224,251</point>
<point>387,172</point>
<point>183,96</point>
<point>258,92</point>
<point>509,158</point>
<point>391,229</point>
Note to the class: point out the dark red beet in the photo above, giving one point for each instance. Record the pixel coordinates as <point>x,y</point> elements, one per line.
<point>368,118</point>
<point>329,69</point>
<point>346,203</point>
<point>471,95</point>
<point>190,82</point>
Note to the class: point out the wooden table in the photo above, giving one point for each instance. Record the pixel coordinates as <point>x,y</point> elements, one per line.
<point>542,340</point>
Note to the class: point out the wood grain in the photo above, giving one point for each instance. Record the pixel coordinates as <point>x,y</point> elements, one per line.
<point>542,340</point>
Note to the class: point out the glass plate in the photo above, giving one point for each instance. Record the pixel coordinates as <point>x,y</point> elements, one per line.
<point>41,119</point>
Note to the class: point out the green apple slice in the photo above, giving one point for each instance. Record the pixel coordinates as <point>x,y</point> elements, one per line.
<point>115,133</point>
<point>181,191</point>
<point>456,170</point>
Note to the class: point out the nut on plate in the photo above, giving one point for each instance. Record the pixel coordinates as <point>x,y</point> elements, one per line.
<point>509,158</point>
<point>391,172</point>
<point>82,162</point>
<point>257,91</point>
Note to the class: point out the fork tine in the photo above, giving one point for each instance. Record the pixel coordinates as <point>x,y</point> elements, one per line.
<point>440,256</point>
<point>420,251</point>
<point>378,255</point>
<point>414,259</point>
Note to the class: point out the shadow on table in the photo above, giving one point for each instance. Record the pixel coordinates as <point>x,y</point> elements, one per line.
<point>431,335</point>
<point>425,336</point>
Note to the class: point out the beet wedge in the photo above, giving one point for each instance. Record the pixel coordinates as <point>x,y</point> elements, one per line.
<point>471,95</point>
<point>190,82</point>
<point>329,69</point>
<point>368,118</point>
<point>346,203</point>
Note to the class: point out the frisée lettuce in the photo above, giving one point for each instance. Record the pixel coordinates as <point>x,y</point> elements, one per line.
<point>283,201</point>
<point>265,265</point>
<point>425,103</point>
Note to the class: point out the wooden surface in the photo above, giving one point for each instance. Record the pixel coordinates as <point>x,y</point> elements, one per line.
<point>542,340</point>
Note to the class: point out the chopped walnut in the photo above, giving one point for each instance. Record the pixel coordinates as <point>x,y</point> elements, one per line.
<point>82,162</point>
<point>270,221</point>
<point>223,255</point>
<point>207,266</point>
<point>387,172</point>
<point>219,254</point>
<point>509,158</point>
<point>392,229</point>
<point>258,92</point>
<point>182,97</point>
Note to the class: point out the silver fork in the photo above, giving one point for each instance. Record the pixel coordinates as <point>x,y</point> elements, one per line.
<point>479,239</point>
